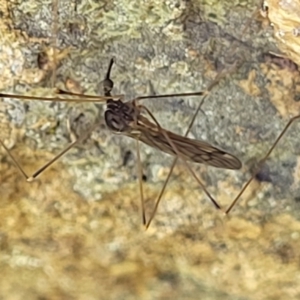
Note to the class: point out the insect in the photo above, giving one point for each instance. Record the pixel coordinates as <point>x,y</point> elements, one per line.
<point>129,118</point>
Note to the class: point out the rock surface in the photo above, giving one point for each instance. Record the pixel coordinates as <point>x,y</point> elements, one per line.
<point>76,232</point>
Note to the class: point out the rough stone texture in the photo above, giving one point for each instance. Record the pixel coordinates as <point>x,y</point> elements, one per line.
<point>284,16</point>
<point>76,232</point>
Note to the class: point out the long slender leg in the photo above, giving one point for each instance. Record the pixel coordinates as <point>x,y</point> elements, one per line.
<point>14,160</point>
<point>49,163</point>
<point>262,161</point>
<point>108,84</point>
<point>205,94</point>
<point>201,93</point>
<point>179,155</point>
<point>172,168</point>
<point>140,180</point>
<point>86,98</point>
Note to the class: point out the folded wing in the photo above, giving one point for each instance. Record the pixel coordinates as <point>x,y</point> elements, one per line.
<point>189,149</point>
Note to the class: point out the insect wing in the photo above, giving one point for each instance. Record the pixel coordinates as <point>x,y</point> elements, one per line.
<point>189,149</point>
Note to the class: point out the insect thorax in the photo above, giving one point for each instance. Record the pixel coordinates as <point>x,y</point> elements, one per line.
<point>119,115</point>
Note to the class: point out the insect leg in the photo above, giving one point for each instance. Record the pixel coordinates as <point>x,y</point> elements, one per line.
<point>49,163</point>
<point>262,161</point>
<point>186,164</point>
<point>140,175</point>
<point>201,93</point>
<point>205,94</point>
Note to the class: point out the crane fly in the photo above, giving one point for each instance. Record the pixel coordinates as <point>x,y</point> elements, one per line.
<point>129,118</point>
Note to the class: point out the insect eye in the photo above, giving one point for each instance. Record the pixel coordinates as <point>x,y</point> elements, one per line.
<point>116,124</point>
<point>113,122</point>
<point>128,117</point>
